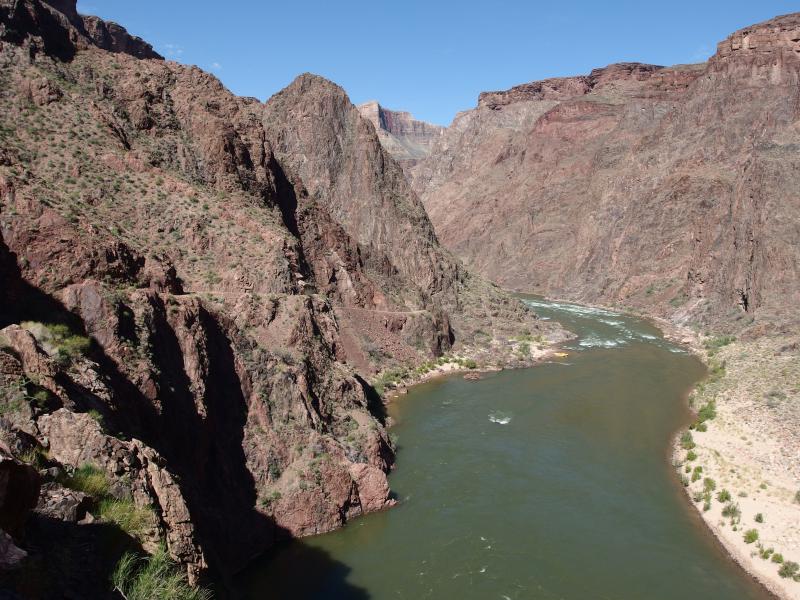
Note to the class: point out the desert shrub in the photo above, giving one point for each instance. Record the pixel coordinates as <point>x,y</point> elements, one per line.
<point>716,343</point>
<point>153,578</point>
<point>707,412</point>
<point>759,518</point>
<point>724,496</point>
<point>126,515</point>
<point>789,569</point>
<point>777,558</point>
<point>697,473</point>
<point>709,484</point>
<point>89,480</point>
<point>470,364</point>
<point>750,536</point>
<point>59,340</point>
<point>731,510</point>
<point>687,441</point>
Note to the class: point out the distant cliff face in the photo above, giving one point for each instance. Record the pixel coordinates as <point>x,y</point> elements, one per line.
<point>672,189</point>
<point>406,138</point>
<point>196,288</point>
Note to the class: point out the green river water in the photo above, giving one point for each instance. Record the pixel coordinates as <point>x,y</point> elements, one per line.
<point>547,483</point>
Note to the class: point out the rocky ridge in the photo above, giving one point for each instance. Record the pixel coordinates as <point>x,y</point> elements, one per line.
<point>197,289</point>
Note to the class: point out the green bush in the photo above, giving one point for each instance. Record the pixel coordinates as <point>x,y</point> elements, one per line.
<point>697,473</point>
<point>777,558</point>
<point>691,455</point>
<point>687,441</point>
<point>724,496</point>
<point>708,412</point>
<point>126,515</point>
<point>716,343</point>
<point>750,536</point>
<point>709,484</point>
<point>731,510</point>
<point>470,364</point>
<point>789,569</point>
<point>89,480</point>
<point>153,578</point>
<point>59,340</point>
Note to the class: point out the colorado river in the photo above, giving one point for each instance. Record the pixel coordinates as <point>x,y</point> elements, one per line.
<point>548,483</point>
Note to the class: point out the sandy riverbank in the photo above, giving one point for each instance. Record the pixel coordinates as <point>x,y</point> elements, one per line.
<point>538,352</point>
<point>751,450</point>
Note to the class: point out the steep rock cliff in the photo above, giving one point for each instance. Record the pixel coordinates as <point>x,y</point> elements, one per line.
<point>669,189</point>
<point>407,139</point>
<point>197,288</point>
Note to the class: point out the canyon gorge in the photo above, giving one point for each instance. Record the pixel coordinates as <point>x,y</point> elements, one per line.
<point>206,298</point>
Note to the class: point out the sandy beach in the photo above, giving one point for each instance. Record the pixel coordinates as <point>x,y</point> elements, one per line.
<point>748,457</point>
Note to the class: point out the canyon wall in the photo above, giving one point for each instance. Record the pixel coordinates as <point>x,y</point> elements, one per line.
<point>407,139</point>
<point>196,290</point>
<point>667,189</point>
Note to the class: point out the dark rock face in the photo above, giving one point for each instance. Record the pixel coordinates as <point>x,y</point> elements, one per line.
<point>672,189</point>
<point>237,271</point>
<point>19,492</point>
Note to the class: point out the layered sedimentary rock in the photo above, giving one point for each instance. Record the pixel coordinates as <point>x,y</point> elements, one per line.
<point>196,289</point>
<point>670,189</point>
<point>407,139</point>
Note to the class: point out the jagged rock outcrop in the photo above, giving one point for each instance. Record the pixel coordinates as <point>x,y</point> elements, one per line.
<point>197,288</point>
<point>670,189</point>
<point>55,27</point>
<point>404,137</point>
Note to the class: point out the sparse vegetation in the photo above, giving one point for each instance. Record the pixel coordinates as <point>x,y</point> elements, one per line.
<point>731,510</point>
<point>750,536</point>
<point>126,515</point>
<point>153,578</point>
<point>89,480</point>
<point>59,341</point>
<point>687,441</point>
<point>789,570</point>
<point>714,344</point>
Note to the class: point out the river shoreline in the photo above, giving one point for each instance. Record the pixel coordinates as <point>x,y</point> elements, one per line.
<point>721,434</point>
<point>741,453</point>
<point>765,573</point>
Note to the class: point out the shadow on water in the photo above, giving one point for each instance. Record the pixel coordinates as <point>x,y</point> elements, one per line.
<point>204,451</point>
<point>299,571</point>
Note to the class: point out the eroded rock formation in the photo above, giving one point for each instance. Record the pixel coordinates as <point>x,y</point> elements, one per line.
<point>196,290</point>
<point>670,189</point>
<point>407,139</point>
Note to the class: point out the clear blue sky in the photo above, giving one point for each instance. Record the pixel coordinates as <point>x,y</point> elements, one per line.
<point>429,57</point>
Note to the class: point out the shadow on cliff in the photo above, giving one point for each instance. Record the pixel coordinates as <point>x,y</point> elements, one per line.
<point>66,560</point>
<point>205,451</point>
